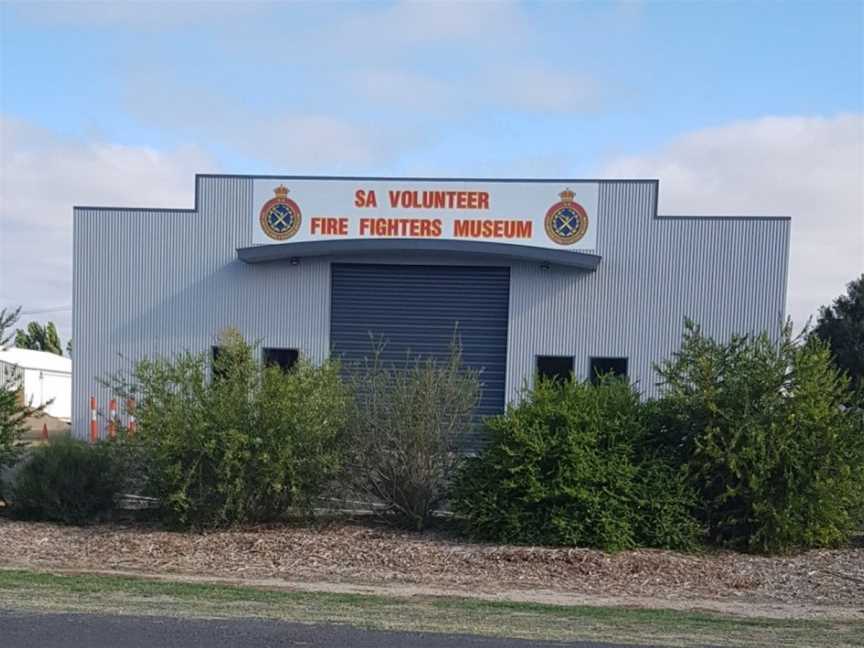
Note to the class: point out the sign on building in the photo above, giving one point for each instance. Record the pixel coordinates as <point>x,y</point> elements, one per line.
<point>544,214</point>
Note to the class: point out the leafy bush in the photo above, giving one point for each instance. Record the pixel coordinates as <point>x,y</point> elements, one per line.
<point>247,445</point>
<point>14,412</point>
<point>13,415</point>
<point>664,504</point>
<point>66,481</point>
<point>404,432</point>
<point>562,469</point>
<point>765,436</point>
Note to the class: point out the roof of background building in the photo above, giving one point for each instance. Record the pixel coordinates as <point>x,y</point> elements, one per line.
<point>42,360</point>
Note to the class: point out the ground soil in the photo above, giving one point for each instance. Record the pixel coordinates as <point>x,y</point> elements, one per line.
<point>360,557</point>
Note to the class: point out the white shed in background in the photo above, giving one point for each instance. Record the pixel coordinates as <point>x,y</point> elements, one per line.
<point>46,377</point>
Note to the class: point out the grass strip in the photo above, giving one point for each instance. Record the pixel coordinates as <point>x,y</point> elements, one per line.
<point>44,591</point>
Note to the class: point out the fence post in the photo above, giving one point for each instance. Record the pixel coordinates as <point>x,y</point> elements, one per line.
<point>130,407</point>
<point>94,431</point>
<point>112,418</point>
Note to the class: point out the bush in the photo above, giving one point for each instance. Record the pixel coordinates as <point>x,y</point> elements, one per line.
<point>66,481</point>
<point>12,427</point>
<point>665,503</point>
<point>562,469</point>
<point>14,412</point>
<point>405,426</point>
<point>764,433</point>
<point>248,445</point>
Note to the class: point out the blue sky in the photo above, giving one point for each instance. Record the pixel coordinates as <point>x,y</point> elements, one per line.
<point>729,103</point>
<point>643,73</point>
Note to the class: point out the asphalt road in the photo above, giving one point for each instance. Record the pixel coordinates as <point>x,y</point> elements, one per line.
<point>28,630</point>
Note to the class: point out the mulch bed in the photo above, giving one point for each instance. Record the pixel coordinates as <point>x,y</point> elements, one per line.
<point>361,552</point>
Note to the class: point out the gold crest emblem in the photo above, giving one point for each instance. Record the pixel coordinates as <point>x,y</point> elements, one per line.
<point>566,221</point>
<point>280,216</point>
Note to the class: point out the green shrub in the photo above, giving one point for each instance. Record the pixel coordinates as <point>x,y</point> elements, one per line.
<point>404,431</point>
<point>765,435</point>
<point>13,415</point>
<point>247,445</point>
<point>66,481</point>
<point>14,412</point>
<point>665,502</point>
<point>562,468</point>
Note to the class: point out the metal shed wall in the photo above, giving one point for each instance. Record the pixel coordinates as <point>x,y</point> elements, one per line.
<point>726,273</point>
<point>155,282</point>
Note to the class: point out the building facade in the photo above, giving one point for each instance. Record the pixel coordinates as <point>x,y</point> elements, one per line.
<point>548,275</point>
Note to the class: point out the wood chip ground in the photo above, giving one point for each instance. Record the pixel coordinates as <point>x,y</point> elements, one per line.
<point>362,553</point>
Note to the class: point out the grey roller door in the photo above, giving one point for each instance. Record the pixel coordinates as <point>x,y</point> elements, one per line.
<point>415,308</point>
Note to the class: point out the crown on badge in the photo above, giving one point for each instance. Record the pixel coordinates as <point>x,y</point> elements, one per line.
<point>281,192</point>
<point>567,196</point>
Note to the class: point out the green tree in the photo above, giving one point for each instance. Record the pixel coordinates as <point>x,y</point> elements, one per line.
<point>13,410</point>
<point>841,325</point>
<point>764,432</point>
<point>69,481</point>
<point>8,319</point>
<point>229,440</point>
<point>39,338</point>
<point>568,466</point>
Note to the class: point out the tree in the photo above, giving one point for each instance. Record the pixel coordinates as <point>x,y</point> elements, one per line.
<point>13,410</point>
<point>765,433</point>
<point>7,321</point>
<point>404,427</point>
<point>841,325</point>
<point>39,338</point>
<point>232,440</point>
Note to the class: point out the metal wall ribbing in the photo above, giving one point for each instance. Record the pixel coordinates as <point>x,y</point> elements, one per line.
<point>727,274</point>
<point>150,283</point>
<point>155,282</point>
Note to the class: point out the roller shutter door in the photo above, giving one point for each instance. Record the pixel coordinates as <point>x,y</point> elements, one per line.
<point>415,308</point>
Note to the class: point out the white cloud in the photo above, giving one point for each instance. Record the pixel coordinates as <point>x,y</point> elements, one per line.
<point>313,141</point>
<point>42,176</point>
<point>488,75</point>
<point>522,86</point>
<point>413,24</point>
<point>295,141</point>
<point>542,89</point>
<point>407,89</point>
<point>377,74</point>
<point>809,168</point>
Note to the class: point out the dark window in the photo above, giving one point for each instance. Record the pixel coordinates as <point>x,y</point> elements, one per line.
<point>555,367</point>
<point>603,366</point>
<point>285,359</point>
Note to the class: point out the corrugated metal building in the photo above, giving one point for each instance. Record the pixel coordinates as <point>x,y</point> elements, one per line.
<point>596,281</point>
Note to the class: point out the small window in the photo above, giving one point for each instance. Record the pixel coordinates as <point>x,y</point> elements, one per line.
<point>555,367</point>
<point>285,359</point>
<point>602,366</point>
